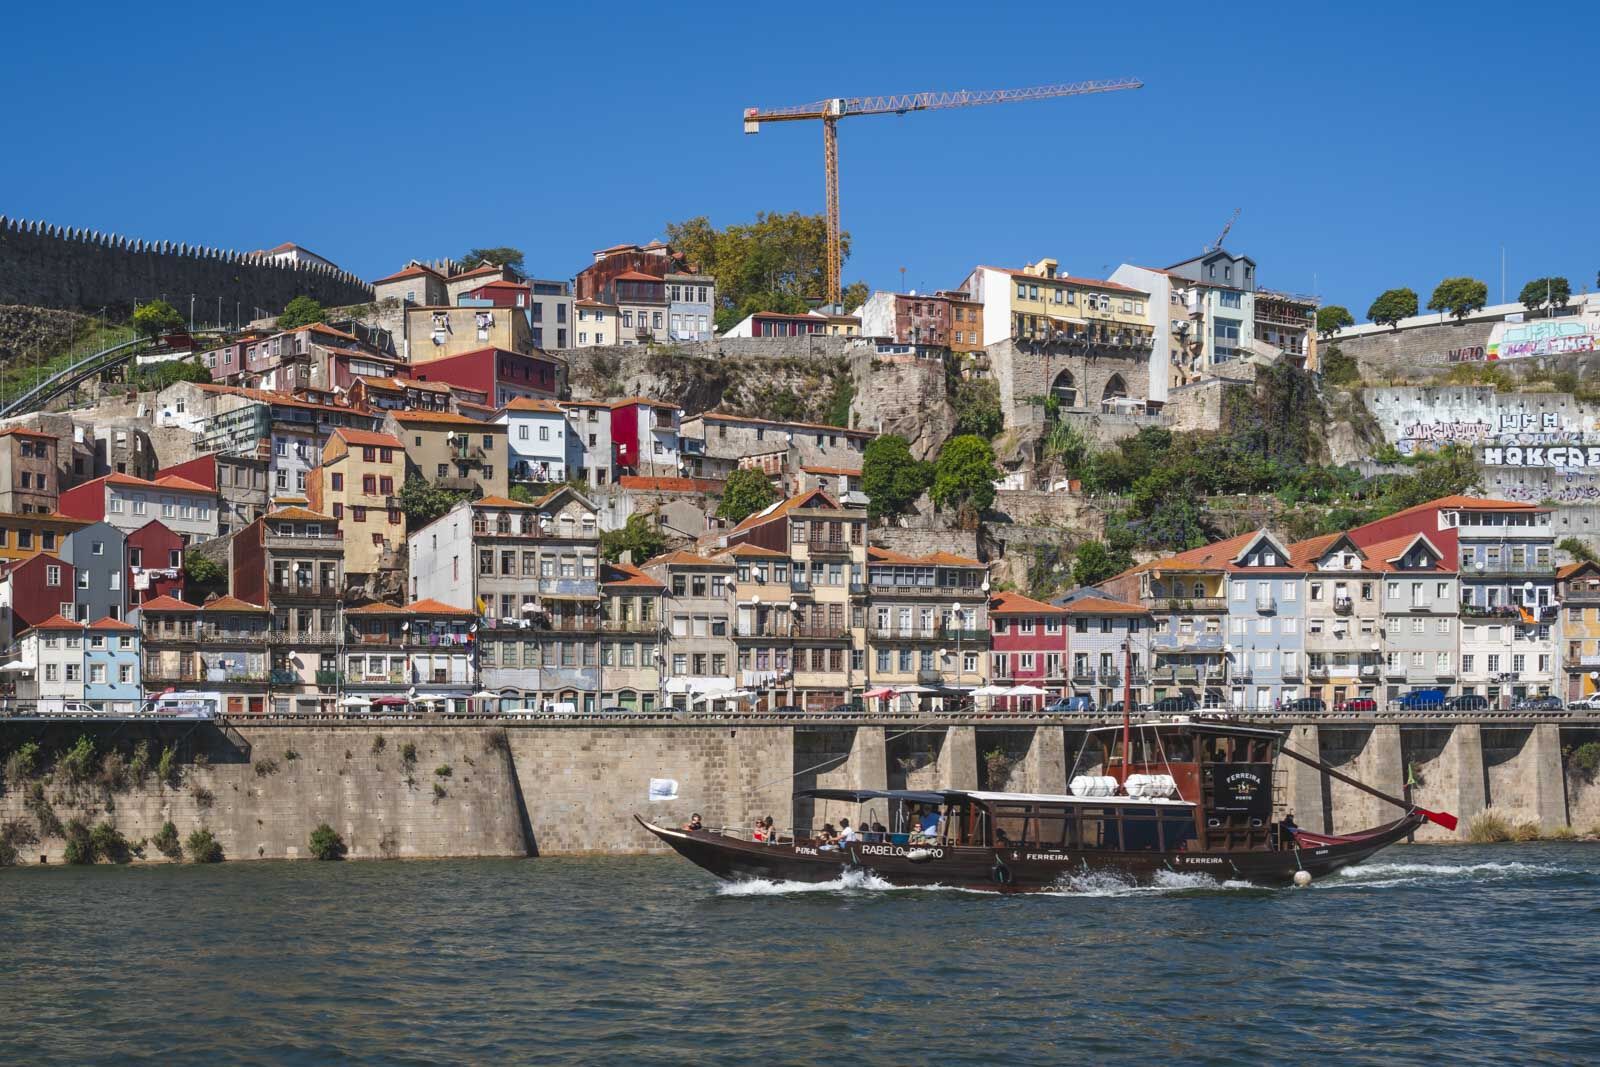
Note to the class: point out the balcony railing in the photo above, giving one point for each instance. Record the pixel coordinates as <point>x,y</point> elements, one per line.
<point>228,635</point>
<point>809,631</point>
<point>1186,605</point>
<point>568,624</point>
<point>771,631</point>
<point>1266,603</point>
<point>328,678</point>
<point>304,637</point>
<point>820,546</point>
<point>908,633</point>
<point>948,592</point>
<point>1343,605</point>
<point>283,677</point>
<point>302,542</point>
<point>631,626</point>
<point>569,586</point>
<point>799,585</point>
<point>303,589</point>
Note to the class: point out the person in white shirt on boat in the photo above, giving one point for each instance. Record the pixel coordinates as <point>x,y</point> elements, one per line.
<point>847,833</point>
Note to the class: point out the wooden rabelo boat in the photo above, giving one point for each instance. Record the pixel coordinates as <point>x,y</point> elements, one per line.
<point>1187,795</point>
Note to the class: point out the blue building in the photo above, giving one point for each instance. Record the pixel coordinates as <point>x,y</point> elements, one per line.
<point>1266,625</point>
<point>111,667</point>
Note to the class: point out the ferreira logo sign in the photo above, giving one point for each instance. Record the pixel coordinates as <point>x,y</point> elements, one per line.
<point>1242,789</point>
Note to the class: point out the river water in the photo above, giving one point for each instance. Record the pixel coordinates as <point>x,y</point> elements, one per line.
<point>1449,954</point>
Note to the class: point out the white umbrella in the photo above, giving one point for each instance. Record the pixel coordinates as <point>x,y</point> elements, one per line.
<point>992,691</point>
<point>355,701</point>
<point>1028,691</point>
<point>484,694</point>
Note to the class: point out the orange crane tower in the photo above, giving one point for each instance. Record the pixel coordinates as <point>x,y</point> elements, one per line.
<point>831,111</point>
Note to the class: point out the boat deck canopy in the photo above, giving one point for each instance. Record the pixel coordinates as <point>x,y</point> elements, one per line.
<point>856,796</point>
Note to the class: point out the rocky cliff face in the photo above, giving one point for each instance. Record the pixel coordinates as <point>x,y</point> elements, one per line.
<point>26,331</point>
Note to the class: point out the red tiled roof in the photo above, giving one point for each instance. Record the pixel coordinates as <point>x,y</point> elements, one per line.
<point>755,552</point>
<point>499,502</point>
<point>1094,605</point>
<point>681,558</point>
<point>20,431</point>
<point>1017,604</point>
<point>501,283</point>
<point>845,472</point>
<point>443,417</point>
<point>943,559</point>
<point>776,511</point>
<point>1571,569</point>
<point>530,403</point>
<point>368,437</point>
<point>299,514</point>
<point>413,271</point>
<point>629,401</point>
<point>167,603</point>
<point>57,622</point>
<point>1097,283</point>
<point>622,575</point>
<point>429,606</point>
<point>173,481</point>
<point>230,603</point>
<point>1465,503</point>
<point>650,483</point>
<point>1381,555</point>
<point>108,623</point>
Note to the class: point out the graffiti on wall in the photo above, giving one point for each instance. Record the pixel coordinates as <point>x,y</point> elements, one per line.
<point>1525,436</point>
<point>1566,487</point>
<point>1518,340</point>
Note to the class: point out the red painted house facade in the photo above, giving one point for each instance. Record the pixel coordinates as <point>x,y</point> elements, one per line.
<point>1027,646</point>
<point>638,424</point>
<point>155,564</point>
<point>501,294</point>
<point>500,374</point>
<point>34,589</point>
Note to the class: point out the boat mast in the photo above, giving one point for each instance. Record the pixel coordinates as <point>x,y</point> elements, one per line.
<point>1127,705</point>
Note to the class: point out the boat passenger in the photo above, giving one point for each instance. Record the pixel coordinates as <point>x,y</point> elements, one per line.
<point>847,833</point>
<point>768,832</point>
<point>1001,840</point>
<point>829,837</point>
<point>694,822</point>
<point>1286,831</point>
<point>928,826</point>
<point>758,832</point>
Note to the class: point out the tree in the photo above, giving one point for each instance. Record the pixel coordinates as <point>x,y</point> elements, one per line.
<point>301,311</point>
<point>964,474</point>
<point>203,572</point>
<point>521,494</point>
<point>158,376</point>
<point>501,256</point>
<point>1459,296</point>
<point>638,536</point>
<point>890,477</point>
<point>1552,292</point>
<point>977,407</point>
<point>855,294</point>
<point>1332,319</point>
<point>746,492</point>
<point>156,318</point>
<point>423,502</point>
<point>1093,564</point>
<point>780,260</point>
<point>1393,305</point>
<point>1578,549</point>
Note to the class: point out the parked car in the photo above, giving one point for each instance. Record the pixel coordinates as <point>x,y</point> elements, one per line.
<point>1078,705</point>
<point>787,709</point>
<point>1422,700</point>
<point>1467,702</point>
<point>1306,705</point>
<point>1544,703</point>
<point>854,707</point>
<point>1358,704</point>
<point>1588,703</point>
<point>1176,704</point>
<point>1115,708</point>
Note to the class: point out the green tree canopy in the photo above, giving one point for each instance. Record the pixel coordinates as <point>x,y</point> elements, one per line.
<point>1578,549</point>
<point>977,407</point>
<point>500,256</point>
<point>890,477</point>
<point>1332,319</point>
<point>746,492</point>
<point>301,311</point>
<point>1393,305</point>
<point>1094,562</point>
<point>157,376</point>
<point>1459,296</point>
<point>779,262</point>
<point>156,318</point>
<point>1553,292</point>
<point>964,474</point>
<point>855,294</point>
<point>203,570</point>
<point>638,535</point>
<point>423,501</point>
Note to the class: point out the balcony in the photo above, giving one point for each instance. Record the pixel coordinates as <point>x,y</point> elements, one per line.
<point>1266,603</point>
<point>799,585</point>
<point>810,632</point>
<point>1369,670</point>
<point>1292,672</point>
<point>818,546</point>
<point>953,593</point>
<point>555,678</point>
<point>1110,677</point>
<point>383,678</point>
<point>907,633</point>
<point>631,626</point>
<point>569,587</point>
<point>1581,596</point>
<point>568,624</point>
<point>1181,642</point>
<point>1343,605</point>
<point>1082,676</point>
<point>858,588</point>
<point>152,634</point>
<point>223,635</point>
<point>302,542</point>
<point>304,638</point>
<point>284,677</point>
<point>254,680</point>
<point>170,676</point>
<point>1192,605</point>
<point>1317,674</point>
<point>770,632</point>
<point>283,590</point>
<point>328,678</point>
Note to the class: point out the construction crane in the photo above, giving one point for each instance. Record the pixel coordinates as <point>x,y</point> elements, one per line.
<point>1223,236</point>
<point>831,111</point>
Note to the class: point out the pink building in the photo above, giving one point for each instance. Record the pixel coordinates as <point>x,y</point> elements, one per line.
<point>1027,646</point>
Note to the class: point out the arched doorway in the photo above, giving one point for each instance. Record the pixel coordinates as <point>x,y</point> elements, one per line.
<point>1065,389</point>
<point>1116,389</point>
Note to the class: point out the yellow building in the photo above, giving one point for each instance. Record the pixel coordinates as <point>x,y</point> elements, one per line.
<point>22,536</point>
<point>1578,589</point>
<point>1041,304</point>
<point>358,482</point>
<point>440,332</point>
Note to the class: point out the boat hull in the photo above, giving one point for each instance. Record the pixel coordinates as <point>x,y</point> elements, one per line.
<point>1012,870</point>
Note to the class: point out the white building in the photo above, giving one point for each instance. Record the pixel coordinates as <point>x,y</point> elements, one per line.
<point>52,655</point>
<point>536,438</point>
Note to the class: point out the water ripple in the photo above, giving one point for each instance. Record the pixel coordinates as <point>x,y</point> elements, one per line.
<point>1450,953</point>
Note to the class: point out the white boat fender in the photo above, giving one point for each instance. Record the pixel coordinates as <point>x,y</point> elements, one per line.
<point>1302,878</point>
<point>919,855</point>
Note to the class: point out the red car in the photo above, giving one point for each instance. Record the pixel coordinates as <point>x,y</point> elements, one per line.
<point>1358,704</point>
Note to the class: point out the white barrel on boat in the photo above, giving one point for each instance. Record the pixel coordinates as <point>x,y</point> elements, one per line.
<point>1152,786</point>
<point>1093,785</point>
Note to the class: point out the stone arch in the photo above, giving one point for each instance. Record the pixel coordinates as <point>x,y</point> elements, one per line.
<point>1065,389</point>
<point>1116,388</point>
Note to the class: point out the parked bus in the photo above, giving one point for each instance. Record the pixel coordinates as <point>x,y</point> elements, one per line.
<point>186,705</point>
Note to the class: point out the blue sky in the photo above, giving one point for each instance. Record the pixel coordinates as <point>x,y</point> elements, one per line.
<point>1368,146</point>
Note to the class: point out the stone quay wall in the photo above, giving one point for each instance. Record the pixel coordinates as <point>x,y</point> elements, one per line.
<point>417,791</point>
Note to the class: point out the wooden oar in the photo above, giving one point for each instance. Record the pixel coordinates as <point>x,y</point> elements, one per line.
<point>1441,818</point>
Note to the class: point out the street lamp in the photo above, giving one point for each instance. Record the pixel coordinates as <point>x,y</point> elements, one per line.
<point>794,666</point>
<point>955,615</point>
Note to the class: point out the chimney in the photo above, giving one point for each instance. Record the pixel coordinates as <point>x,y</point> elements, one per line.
<point>626,558</point>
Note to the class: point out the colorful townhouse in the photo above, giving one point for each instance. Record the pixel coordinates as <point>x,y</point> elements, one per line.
<point>698,660</point>
<point>928,623</point>
<point>644,437</point>
<point>763,633</point>
<point>1028,646</point>
<point>358,482</point>
<point>1344,624</point>
<point>1108,646</point>
<point>188,509</point>
<point>632,625</point>
<point>111,683</point>
<point>1578,590</point>
<point>1266,625</point>
<point>536,441</point>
